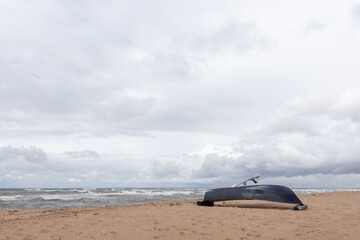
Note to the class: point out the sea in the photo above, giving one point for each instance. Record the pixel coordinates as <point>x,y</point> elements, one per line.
<point>18,198</point>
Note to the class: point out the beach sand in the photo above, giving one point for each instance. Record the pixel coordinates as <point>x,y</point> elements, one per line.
<point>329,216</point>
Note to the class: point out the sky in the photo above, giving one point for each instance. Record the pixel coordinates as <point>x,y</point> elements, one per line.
<point>179,93</point>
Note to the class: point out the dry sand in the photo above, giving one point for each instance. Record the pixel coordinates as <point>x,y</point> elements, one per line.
<point>329,216</point>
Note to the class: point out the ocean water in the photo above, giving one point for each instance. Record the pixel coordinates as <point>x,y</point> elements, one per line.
<point>82,197</point>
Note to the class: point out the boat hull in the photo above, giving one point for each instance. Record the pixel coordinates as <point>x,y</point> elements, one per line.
<point>274,193</point>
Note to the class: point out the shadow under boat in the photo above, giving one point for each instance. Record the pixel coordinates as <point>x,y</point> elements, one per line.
<point>273,193</point>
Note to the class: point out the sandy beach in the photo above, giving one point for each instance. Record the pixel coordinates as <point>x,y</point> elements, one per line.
<point>329,216</point>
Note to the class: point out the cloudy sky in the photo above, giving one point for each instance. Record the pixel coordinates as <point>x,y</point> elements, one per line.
<point>179,93</point>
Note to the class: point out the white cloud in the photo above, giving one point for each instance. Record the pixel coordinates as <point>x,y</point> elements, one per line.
<point>73,180</point>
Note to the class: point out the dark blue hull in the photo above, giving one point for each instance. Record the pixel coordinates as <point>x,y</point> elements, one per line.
<point>274,193</point>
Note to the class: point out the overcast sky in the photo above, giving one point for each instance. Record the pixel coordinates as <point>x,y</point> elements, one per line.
<point>179,93</point>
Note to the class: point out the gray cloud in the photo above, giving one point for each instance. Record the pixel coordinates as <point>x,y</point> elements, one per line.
<point>165,169</point>
<point>305,138</point>
<point>315,25</point>
<point>232,38</point>
<point>172,67</point>
<point>83,154</point>
<point>24,167</point>
<point>356,13</point>
<point>31,154</point>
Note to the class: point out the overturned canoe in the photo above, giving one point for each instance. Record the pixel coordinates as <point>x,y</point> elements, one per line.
<point>274,193</point>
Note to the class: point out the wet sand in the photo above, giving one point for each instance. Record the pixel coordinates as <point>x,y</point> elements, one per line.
<point>329,216</point>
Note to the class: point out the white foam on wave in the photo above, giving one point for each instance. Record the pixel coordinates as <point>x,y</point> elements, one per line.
<point>62,197</point>
<point>104,194</point>
<point>145,192</point>
<point>324,190</point>
<point>10,198</point>
<point>153,192</point>
<point>32,189</point>
<point>64,190</point>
